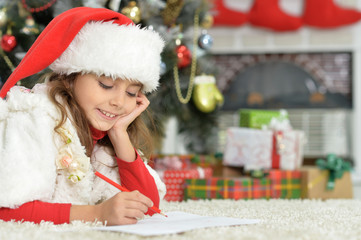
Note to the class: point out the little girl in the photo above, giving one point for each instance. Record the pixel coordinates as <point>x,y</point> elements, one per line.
<point>86,117</point>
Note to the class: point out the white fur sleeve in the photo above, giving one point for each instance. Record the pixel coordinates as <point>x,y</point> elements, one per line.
<point>160,184</point>
<point>28,152</point>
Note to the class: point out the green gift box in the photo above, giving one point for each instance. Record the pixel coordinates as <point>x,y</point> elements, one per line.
<point>252,118</point>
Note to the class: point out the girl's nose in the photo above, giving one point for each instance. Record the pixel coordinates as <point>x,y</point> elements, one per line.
<point>118,100</point>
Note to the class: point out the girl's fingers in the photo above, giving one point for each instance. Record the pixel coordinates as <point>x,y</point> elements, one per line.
<point>142,198</point>
<point>131,204</point>
<point>139,201</point>
<point>134,213</point>
<point>142,101</point>
<point>129,221</point>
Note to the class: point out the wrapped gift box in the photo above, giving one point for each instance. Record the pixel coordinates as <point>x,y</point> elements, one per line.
<point>261,188</point>
<point>251,148</point>
<point>227,188</point>
<point>179,161</point>
<point>285,183</point>
<point>175,179</point>
<point>218,188</point>
<point>256,149</point>
<point>175,162</point>
<point>314,183</point>
<point>252,118</point>
<point>287,153</point>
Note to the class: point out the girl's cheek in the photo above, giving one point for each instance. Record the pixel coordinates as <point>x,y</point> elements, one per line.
<point>131,107</point>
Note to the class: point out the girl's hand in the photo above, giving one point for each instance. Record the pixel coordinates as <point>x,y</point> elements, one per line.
<point>123,122</point>
<point>123,208</point>
<point>118,134</point>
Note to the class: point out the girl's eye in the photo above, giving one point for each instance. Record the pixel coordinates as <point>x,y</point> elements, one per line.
<point>104,86</point>
<point>132,94</point>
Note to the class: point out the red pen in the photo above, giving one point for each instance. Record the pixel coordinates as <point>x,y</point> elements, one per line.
<point>154,209</point>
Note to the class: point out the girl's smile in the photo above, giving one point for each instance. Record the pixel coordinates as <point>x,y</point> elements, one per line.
<point>108,115</point>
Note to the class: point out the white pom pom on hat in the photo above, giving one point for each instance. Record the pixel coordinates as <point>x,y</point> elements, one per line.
<point>94,40</point>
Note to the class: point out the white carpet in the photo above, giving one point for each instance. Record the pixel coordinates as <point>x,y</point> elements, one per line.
<point>281,219</point>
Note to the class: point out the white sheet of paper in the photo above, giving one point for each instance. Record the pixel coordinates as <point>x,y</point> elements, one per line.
<point>176,222</point>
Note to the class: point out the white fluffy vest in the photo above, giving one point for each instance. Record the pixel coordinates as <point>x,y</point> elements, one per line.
<point>34,159</point>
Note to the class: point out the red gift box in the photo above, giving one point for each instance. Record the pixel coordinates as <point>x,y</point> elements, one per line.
<point>261,188</point>
<point>227,188</point>
<point>285,183</point>
<point>176,162</point>
<point>174,180</point>
<point>218,188</point>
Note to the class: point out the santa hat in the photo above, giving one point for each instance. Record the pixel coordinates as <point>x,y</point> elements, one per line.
<point>93,40</point>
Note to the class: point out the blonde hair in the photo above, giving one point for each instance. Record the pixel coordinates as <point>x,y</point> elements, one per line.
<point>62,95</point>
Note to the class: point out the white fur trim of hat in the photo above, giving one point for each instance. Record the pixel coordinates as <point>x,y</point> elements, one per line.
<point>117,51</point>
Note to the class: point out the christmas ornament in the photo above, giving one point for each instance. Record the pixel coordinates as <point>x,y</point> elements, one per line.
<point>326,14</point>
<point>226,16</point>
<point>37,9</point>
<point>184,56</point>
<point>3,17</point>
<point>207,21</point>
<point>8,42</point>
<point>205,41</point>
<point>30,27</point>
<point>172,11</point>
<point>132,11</point>
<point>186,99</point>
<point>268,14</point>
<point>206,95</point>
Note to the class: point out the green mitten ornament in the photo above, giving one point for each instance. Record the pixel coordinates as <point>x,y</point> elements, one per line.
<point>206,95</point>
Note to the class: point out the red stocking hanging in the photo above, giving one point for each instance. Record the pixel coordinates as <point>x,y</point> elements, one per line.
<point>325,14</point>
<point>268,14</point>
<point>226,16</point>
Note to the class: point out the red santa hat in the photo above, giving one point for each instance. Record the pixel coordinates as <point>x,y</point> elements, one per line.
<point>93,40</point>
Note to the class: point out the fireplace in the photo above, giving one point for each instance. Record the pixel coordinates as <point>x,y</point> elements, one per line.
<point>291,81</point>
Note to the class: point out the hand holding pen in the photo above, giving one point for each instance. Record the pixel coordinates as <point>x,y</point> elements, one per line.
<point>154,209</point>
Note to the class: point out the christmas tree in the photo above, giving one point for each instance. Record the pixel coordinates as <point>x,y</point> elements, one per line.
<point>187,86</point>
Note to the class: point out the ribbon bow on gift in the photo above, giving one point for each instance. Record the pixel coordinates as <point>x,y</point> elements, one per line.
<point>336,167</point>
<point>258,174</point>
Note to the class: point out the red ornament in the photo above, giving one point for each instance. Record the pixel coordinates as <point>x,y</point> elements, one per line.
<point>8,42</point>
<point>184,56</point>
<point>38,9</point>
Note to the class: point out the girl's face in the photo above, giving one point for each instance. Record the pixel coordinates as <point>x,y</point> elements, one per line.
<point>104,100</point>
